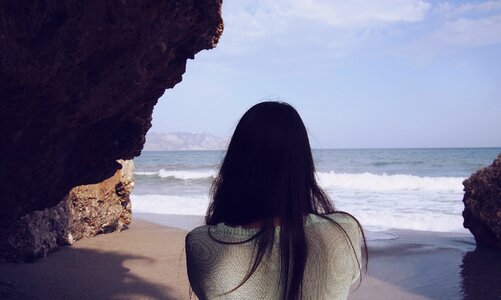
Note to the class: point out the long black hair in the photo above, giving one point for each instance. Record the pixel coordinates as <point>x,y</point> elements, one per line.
<point>268,173</point>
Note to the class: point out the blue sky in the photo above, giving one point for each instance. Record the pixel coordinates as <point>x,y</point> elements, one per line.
<point>362,73</point>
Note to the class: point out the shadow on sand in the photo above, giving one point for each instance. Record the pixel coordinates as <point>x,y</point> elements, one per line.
<point>74,273</point>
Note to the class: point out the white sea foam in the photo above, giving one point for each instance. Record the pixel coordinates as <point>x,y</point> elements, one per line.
<point>384,182</point>
<point>380,202</point>
<point>168,204</point>
<point>389,211</point>
<point>413,221</point>
<point>360,181</point>
<point>401,198</point>
<point>145,173</point>
<point>180,174</point>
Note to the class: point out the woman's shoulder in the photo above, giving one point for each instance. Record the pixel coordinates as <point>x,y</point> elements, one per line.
<point>343,217</point>
<point>345,224</point>
<point>339,217</point>
<point>198,232</point>
<point>197,236</point>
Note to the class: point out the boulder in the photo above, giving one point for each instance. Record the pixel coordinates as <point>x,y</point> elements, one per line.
<point>104,207</point>
<point>79,80</point>
<point>482,205</point>
<point>86,211</point>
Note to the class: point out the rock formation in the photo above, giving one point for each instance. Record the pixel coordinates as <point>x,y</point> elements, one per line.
<point>482,201</point>
<point>86,211</point>
<point>103,207</point>
<point>79,80</point>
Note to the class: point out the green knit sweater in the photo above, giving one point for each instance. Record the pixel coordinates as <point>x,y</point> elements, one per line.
<point>331,267</point>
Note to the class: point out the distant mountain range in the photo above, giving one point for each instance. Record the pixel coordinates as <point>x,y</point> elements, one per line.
<point>176,141</point>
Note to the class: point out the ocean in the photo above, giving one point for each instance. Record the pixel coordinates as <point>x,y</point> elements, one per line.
<point>416,189</point>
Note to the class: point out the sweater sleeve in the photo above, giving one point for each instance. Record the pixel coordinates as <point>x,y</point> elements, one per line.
<point>191,263</point>
<point>352,246</point>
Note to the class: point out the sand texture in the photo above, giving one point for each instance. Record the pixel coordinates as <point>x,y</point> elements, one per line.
<point>147,262</point>
<point>144,262</point>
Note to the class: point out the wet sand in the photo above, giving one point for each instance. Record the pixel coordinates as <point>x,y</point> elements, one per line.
<point>147,262</point>
<point>428,265</point>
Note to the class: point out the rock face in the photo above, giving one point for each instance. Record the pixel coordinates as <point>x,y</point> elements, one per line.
<point>103,207</point>
<point>79,80</point>
<point>482,201</point>
<point>86,211</point>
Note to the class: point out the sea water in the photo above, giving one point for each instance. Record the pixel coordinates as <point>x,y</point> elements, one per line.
<point>418,189</point>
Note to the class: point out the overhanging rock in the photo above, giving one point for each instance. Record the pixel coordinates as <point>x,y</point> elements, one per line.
<point>79,80</point>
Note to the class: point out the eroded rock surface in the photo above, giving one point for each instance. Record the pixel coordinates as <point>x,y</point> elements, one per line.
<point>79,80</point>
<point>86,211</point>
<point>103,207</point>
<point>482,201</point>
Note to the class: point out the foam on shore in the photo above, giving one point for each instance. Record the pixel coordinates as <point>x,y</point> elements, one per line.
<point>375,211</point>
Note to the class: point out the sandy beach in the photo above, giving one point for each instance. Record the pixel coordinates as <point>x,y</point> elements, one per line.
<point>143,262</point>
<point>147,262</point>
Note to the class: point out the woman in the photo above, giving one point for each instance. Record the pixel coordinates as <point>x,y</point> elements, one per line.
<point>271,231</point>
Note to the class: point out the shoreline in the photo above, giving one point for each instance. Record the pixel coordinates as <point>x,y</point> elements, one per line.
<point>147,262</point>
<point>188,222</point>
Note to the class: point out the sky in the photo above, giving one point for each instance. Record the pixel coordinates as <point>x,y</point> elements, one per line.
<point>361,73</point>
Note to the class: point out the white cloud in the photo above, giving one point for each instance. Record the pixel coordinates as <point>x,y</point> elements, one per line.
<point>403,27</point>
<point>449,10</point>
<point>467,25</point>
<point>360,13</point>
<point>469,32</point>
<point>451,27</point>
<point>247,21</point>
<point>256,18</point>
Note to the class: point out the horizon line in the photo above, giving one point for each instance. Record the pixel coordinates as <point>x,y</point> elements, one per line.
<point>361,148</point>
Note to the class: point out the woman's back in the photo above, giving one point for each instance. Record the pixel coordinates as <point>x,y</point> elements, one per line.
<point>216,267</point>
<point>267,175</point>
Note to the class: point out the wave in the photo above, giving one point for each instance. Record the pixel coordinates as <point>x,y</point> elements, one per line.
<point>384,182</point>
<point>145,173</point>
<point>378,219</point>
<point>180,174</point>
<point>431,221</point>
<point>350,181</point>
<point>389,163</point>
